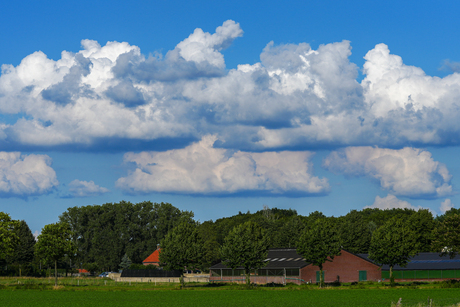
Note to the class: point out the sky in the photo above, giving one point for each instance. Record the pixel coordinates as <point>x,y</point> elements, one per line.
<point>220,107</point>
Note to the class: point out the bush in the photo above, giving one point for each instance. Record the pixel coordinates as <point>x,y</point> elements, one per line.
<point>452,283</point>
<point>335,283</point>
<point>272,284</point>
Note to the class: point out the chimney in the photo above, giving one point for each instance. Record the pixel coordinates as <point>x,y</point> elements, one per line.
<point>158,246</point>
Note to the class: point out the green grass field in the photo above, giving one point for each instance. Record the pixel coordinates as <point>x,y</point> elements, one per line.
<point>90,292</point>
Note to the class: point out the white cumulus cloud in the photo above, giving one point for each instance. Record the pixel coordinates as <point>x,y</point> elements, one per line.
<point>295,97</point>
<point>391,202</point>
<point>79,188</point>
<point>204,47</point>
<point>26,175</point>
<point>406,172</point>
<point>446,205</point>
<point>202,169</point>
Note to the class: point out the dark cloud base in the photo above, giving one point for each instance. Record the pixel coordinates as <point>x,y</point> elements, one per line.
<point>104,145</point>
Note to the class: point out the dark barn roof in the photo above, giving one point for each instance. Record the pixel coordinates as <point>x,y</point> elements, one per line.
<point>277,258</point>
<point>425,261</point>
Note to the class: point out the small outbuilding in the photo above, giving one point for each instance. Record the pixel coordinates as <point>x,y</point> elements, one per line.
<point>285,266</point>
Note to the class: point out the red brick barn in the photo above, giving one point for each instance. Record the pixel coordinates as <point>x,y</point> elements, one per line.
<point>347,267</point>
<point>285,266</point>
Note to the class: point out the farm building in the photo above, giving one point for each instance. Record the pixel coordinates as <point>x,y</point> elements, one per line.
<point>83,272</point>
<point>285,265</point>
<point>154,258</point>
<point>424,267</point>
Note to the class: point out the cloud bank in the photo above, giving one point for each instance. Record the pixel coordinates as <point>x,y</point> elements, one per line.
<point>294,98</point>
<point>26,175</point>
<point>406,172</point>
<point>202,169</point>
<point>79,188</point>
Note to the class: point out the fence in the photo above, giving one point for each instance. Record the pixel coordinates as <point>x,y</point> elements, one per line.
<point>422,274</point>
<point>150,273</point>
<point>258,279</point>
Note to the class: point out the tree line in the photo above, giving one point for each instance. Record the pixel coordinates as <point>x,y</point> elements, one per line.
<point>101,235</point>
<point>392,239</point>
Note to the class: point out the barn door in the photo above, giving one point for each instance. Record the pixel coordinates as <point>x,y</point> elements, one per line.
<point>362,275</point>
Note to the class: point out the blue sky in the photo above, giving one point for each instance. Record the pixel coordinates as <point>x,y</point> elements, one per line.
<point>221,107</point>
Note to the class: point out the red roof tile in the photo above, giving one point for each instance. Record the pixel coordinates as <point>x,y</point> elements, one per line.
<point>82,271</point>
<point>154,257</point>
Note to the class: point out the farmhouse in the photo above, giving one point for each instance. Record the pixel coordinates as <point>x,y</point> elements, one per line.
<point>285,265</point>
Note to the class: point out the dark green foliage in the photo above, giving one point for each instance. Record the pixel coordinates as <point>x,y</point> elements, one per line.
<point>125,262</point>
<point>446,236</point>
<point>422,224</point>
<point>354,231</point>
<point>103,234</point>
<point>182,247</point>
<point>245,246</point>
<point>139,266</point>
<point>452,283</point>
<point>272,220</point>
<point>288,234</point>
<point>24,250</point>
<point>210,246</point>
<point>320,243</point>
<point>379,217</point>
<point>452,211</point>
<point>91,267</point>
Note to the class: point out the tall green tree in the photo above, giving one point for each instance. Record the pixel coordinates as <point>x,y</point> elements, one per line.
<point>182,247</point>
<point>452,211</point>
<point>211,248</point>
<point>24,250</point>
<point>422,224</point>
<point>54,242</point>
<point>246,246</point>
<point>288,234</point>
<point>354,232</point>
<point>393,243</point>
<point>446,238</point>
<point>319,243</point>
<point>8,237</point>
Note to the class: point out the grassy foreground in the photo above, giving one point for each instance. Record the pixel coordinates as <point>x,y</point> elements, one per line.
<point>89,292</point>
